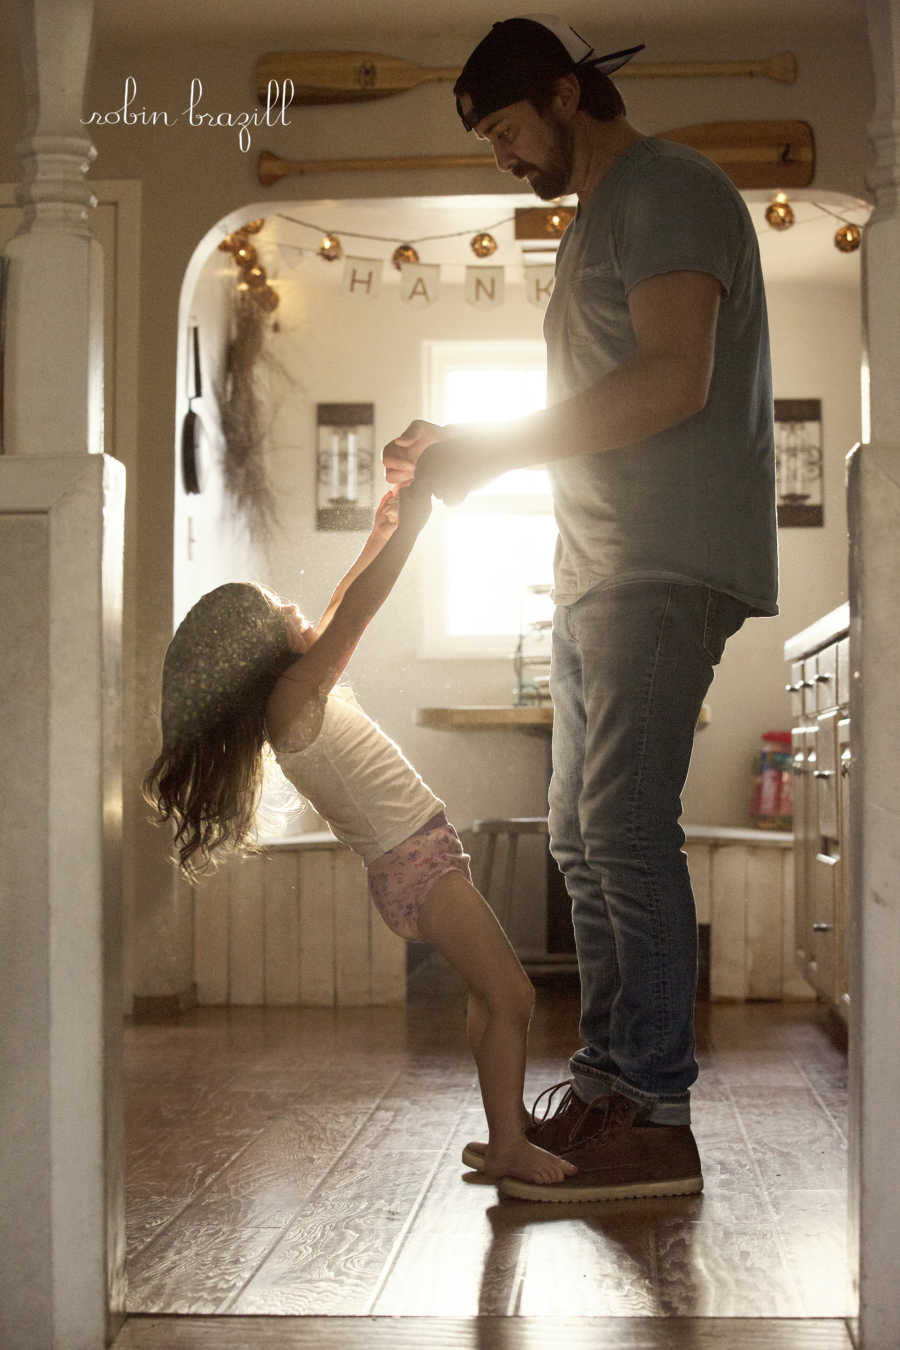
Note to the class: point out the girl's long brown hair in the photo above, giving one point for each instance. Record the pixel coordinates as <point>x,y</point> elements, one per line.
<point>220,669</point>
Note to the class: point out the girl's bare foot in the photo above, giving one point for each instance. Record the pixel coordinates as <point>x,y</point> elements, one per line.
<point>527,1162</point>
<point>477,1146</point>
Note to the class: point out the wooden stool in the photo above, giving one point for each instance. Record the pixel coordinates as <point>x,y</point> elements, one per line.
<point>512,828</point>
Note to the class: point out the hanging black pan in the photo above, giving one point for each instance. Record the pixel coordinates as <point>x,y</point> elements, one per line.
<point>193,468</point>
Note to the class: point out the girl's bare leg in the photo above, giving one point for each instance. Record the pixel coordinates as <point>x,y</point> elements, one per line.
<point>460,923</point>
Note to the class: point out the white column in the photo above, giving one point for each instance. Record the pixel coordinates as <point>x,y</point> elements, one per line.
<point>53,381</point>
<point>874,514</point>
<point>61,544</point>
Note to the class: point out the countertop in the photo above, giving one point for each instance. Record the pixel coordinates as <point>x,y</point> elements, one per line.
<point>819,634</point>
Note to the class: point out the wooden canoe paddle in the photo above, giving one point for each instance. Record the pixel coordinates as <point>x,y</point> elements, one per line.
<point>350,77</point>
<point>753,154</point>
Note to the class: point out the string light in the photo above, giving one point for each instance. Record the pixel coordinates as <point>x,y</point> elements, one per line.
<point>558,219</point>
<point>404,254</point>
<point>483,245</point>
<point>779,212</point>
<point>848,238</point>
<point>330,248</point>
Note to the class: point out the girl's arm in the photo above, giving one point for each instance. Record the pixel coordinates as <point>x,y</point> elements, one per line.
<point>383,526</point>
<point>364,591</point>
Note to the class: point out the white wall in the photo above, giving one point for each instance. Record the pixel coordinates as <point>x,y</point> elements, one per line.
<point>816,349</point>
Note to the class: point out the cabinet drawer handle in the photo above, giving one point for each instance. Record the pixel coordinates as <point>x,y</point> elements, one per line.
<point>807,684</point>
<point>793,688</point>
<point>821,927</point>
<point>824,679</point>
<point>823,773</point>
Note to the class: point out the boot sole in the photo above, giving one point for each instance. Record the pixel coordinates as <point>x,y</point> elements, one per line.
<point>579,1194</point>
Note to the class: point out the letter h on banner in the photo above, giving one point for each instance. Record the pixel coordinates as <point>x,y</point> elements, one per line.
<point>362,277</point>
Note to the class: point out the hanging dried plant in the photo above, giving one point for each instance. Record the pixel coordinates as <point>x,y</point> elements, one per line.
<point>246,415</point>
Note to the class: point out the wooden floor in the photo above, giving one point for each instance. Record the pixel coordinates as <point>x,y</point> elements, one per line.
<point>304,1164</point>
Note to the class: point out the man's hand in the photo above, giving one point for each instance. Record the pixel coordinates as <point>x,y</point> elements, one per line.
<point>448,465</point>
<point>452,469</point>
<point>401,455</point>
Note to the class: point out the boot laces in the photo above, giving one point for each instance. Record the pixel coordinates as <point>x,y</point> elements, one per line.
<point>549,1109</point>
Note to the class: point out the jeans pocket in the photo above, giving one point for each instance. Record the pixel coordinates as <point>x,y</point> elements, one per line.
<point>724,616</point>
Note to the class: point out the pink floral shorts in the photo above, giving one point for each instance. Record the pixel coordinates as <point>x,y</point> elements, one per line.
<point>401,878</point>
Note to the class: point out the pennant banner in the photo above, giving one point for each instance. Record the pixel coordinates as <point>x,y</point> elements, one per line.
<point>485,286</point>
<point>420,282</point>
<point>362,277</point>
<point>539,283</point>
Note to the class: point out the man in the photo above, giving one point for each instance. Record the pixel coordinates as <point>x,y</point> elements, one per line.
<point>658,438</point>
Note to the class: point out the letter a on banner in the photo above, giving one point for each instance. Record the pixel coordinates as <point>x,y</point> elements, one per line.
<point>420,283</point>
<point>539,283</point>
<point>362,277</point>
<point>484,286</point>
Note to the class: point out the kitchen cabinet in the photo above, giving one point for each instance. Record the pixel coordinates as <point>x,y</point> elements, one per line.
<point>819,684</point>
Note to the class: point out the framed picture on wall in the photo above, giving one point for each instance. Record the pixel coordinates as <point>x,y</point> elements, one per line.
<point>798,461</point>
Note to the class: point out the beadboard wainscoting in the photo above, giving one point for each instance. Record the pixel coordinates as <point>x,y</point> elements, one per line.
<point>743,884</point>
<point>294,926</point>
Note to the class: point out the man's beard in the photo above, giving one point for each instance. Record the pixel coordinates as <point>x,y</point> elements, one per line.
<point>553,179</point>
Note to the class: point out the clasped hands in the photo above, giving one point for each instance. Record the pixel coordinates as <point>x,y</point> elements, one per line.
<point>436,460</point>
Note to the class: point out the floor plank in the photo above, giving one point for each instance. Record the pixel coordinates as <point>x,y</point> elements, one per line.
<point>481,1333</point>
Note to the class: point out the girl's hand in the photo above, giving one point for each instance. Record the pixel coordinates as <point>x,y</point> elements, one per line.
<point>386,517</point>
<point>415,507</point>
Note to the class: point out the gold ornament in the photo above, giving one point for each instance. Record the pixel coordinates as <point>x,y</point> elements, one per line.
<point>483,245</point>
<point>848,238</point>
<point>779,213</point>
<point>557,219</point>
<point>253,226</point>
<point>404,254</point>
<point>245,255</point>
<point>255,276</point>
<point>266,298</point>
<point>330,248</point>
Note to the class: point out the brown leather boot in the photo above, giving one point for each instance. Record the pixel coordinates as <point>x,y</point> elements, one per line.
<point>620,1156</point>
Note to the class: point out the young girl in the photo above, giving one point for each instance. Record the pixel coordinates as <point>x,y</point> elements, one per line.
<point>244,669</point>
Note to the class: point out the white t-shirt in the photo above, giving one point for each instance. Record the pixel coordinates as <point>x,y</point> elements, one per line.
<point>359,780</point>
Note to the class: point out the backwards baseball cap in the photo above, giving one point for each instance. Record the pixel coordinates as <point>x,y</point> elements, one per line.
<point>520,55</point>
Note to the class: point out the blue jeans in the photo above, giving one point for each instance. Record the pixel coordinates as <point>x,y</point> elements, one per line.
<point>631,665</point>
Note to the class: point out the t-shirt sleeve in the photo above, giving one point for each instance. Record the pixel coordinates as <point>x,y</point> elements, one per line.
<point>677,216</point>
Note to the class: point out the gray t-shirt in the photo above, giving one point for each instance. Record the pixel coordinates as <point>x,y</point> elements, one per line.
<point>694,503</point>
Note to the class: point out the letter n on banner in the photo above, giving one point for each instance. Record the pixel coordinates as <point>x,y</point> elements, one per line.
<point>539,283</point>
<point>420,283</point>
<point>362,277</point>
<point>484,286</point>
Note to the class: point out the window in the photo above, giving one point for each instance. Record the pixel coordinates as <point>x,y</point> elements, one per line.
<point>485,553</point>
